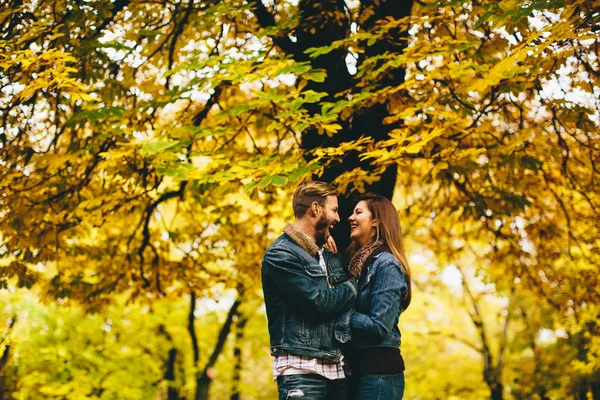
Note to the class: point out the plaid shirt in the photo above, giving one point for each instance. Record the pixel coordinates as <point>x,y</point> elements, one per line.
<point>291,364</point>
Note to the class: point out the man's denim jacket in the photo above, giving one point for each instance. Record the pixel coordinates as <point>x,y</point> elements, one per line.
<point>308,310</point>
<point>374,321</point>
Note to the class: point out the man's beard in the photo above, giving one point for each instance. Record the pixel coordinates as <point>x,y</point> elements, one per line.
<point>322,230</point>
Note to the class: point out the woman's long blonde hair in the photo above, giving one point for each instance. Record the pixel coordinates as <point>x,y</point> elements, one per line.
<point>389,232</point>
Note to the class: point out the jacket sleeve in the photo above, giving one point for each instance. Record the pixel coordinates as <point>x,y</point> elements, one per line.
<point>301,290</point>
<point>389,283</point>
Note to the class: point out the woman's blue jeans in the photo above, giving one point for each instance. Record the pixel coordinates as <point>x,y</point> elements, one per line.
<point>379,387</point>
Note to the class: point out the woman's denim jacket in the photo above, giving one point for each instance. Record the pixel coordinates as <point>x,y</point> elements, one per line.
<point>374,321</point>
<point>308,310</point>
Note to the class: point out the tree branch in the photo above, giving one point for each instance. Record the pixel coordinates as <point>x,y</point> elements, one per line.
<point>146,227</point>
<point>233,311</point>
<point>191,329</point>
<point>265,19</point>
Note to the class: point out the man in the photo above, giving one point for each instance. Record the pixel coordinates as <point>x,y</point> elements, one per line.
<point>308,297</point>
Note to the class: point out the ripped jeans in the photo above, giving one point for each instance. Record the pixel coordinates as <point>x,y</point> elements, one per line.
<point>311,387</point>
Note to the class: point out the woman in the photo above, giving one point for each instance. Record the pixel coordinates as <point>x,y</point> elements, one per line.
<point>377,259</point>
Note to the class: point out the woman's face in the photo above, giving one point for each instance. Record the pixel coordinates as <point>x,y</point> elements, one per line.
<point>362,225</point>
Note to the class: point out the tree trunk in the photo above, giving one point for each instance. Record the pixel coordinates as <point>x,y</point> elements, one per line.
<point>237,355</point>
<point>202,386</point>
<point>193,337</point>
<point>172,392</point>
<point>367,122</point>
<point>169,375</point>
<point>4,394</point>
<point>492,373</point>
<point>582,391</point>
<point>321,23</point>
<point>3,389</point>
<point>204,380</point>
<point>596,390</point>
<point>496,390</point>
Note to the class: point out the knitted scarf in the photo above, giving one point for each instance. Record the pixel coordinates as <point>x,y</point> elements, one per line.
<point>301,239</point>
<point>360,258</point>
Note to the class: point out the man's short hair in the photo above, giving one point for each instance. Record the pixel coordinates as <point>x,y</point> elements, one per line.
<point>309,192</point>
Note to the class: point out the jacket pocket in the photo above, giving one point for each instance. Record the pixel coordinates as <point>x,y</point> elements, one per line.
<point>297,330</point>
<point>303,330</point>
<point>315,271</point>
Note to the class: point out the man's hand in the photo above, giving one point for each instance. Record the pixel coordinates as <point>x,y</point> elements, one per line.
<point>330,245</point>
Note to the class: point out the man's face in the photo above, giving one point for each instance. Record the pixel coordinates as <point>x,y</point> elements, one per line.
<point>327,219</point>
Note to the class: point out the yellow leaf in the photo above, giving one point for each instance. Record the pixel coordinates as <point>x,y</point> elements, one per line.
<point>331,129</point>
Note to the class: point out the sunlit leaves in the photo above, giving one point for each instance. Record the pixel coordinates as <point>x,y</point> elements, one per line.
<point>51,70</point>
<point>140,158</point>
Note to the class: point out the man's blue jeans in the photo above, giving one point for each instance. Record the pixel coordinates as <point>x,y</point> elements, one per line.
<point>311,387</point>
<point>379,387</point>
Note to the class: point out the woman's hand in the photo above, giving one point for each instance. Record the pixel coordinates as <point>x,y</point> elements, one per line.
<point>330,245</point>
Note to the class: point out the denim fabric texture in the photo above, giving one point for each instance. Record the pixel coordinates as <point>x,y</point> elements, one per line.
<point>374,320</point>
<point>311,387</point>
<point>380,387</point>
<point>306,316</point>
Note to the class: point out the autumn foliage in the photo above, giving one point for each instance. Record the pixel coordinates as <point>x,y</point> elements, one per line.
<point>148,151</point>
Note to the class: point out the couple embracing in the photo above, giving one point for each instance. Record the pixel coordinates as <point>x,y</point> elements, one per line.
<point>333,321</point>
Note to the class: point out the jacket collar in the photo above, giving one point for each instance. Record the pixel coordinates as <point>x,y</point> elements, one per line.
<point>301,239</point>
<point>364,256</point>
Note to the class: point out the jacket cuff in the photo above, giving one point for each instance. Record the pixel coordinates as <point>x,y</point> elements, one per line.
<point>342,330</point>
<point>353,285</point>
<point>358,320</point>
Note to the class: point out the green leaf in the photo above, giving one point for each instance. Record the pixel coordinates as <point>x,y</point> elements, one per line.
<point>315,76</point>
<point>157,146</point>
<point>311,96</point>
<point>250,186</point>
<point>279,180</point>
<point>302,68</point>
<point>265,182</point>
<point>300,127</point>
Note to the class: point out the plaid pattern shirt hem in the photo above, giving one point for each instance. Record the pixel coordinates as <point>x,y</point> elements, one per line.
<point>291,364</point>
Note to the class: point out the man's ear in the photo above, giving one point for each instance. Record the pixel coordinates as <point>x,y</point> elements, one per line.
<point>314,209</point>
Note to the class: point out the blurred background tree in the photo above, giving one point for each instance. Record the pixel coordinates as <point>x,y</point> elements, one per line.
<point>149,149</point>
